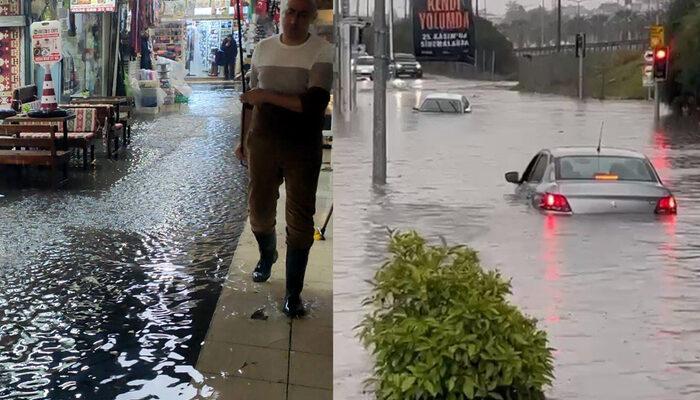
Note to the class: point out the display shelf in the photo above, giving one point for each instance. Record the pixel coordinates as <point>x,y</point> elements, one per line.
<point>169,40</point>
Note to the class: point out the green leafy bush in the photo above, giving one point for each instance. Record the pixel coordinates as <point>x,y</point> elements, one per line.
<point>441,328</point>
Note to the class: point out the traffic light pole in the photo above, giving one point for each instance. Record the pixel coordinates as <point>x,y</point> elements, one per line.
<point>580,77</point>
<point>657,102</point>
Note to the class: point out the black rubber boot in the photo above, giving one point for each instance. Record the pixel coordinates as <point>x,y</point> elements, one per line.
<point>267,244</point>
<point>296,269</point>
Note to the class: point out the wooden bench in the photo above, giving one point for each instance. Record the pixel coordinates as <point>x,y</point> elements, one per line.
<point>22,151</point>
<point>81,132</point>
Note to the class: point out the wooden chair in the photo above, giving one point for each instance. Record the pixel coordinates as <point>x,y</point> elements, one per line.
<point>25,95</point>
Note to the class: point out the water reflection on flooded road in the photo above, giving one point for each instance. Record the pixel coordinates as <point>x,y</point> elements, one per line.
<point>618,295</point>
<point>107,286</point>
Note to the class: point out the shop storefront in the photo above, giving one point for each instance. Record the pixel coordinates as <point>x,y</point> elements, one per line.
<point>89,36</point>
<point>189,30</point>
<point>12,56</point>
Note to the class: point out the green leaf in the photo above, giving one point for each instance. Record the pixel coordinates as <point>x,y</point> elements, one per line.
<point>468,387</point>
<point>408,383</point>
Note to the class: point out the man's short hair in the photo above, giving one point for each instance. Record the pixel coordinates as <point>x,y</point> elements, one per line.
<point>312,3</point>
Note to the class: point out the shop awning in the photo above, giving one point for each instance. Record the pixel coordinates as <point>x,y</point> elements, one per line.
<point>13,21</point>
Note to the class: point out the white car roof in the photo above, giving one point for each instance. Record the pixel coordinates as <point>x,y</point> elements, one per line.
<point>445,96</point>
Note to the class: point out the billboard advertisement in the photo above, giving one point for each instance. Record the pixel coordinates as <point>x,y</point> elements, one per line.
<point>443,30</point>
<point>78,6</point>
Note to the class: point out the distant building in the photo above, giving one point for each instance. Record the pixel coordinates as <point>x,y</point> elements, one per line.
<point>608,8</point>
<point>493,18</point>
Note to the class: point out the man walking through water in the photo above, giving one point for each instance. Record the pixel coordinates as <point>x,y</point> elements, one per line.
<point>291,79</point>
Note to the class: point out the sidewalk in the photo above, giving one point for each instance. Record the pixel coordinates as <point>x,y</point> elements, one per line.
<point>274,358</point>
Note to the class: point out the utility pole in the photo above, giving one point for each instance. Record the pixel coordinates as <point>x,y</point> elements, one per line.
<point>380,75</point>
<point>543,11</point>
<point>391,30</point>
<point>558,26</point>
<point>477,8</point>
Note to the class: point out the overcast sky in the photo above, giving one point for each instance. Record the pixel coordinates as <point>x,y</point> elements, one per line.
<point>492,6</point>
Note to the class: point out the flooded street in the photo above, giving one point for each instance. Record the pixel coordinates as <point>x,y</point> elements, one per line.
<point>619,296</point>
<point>108,285</point>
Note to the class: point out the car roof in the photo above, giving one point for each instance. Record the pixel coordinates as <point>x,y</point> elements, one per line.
<point>404,55</point>
<point>444,96</point>
<point>593,151</point>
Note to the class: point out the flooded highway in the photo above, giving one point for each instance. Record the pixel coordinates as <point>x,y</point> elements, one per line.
<point>619,296</point>
<point>108,285</point>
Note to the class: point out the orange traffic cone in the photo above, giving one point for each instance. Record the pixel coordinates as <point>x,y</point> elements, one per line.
<point>48,95</point>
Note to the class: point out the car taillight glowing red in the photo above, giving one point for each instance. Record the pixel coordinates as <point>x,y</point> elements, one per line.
<point>554,202</point>
<point>667,205</point>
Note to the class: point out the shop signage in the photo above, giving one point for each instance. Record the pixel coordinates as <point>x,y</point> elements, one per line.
<point>78,6</point>
<point>175,9</point>
<point>443,30</point>
<point>46,42</point>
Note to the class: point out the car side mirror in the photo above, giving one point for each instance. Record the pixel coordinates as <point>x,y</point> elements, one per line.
<point>513,177</point>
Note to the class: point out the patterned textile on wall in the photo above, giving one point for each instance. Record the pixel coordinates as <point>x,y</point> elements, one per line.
<point>10,62</point>
<point>9,7</point>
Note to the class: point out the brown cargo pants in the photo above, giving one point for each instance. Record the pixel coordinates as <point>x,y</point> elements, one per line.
<point>273,159</point>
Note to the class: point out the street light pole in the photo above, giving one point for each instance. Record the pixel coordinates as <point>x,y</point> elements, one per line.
<point>391,30</point>
<point>558,26</point>
<point>543,11</point>
<point>380,75</point>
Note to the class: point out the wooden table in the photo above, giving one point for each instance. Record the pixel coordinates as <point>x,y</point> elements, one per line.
<point>25,119</point>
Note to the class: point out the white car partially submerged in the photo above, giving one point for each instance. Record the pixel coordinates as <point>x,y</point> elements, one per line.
<point>445,103</point>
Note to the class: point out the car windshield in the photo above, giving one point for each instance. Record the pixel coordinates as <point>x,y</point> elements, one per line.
<point>405,58</point>
<point>442,105</point>
<point>365,61</point>
<point>604,168</point>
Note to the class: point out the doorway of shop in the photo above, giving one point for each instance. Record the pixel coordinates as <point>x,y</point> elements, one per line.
<point>205,38</point>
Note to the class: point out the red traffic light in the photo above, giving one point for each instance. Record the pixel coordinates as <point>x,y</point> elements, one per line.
<point>660,54</point>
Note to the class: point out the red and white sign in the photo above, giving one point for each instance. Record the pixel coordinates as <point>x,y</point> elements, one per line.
<point>85,6</point>
<point>46,42</point>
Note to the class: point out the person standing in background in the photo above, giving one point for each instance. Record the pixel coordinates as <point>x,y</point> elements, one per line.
<point>230,49</point>
<point>146,51</point>
<point>221,56</point>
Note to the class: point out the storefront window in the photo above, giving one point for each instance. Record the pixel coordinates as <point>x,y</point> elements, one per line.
<point>83,68</point>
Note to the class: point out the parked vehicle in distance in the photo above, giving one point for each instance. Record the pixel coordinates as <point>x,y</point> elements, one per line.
<point>363,67</point>
<point>445,103</point>
<point>405,65</point>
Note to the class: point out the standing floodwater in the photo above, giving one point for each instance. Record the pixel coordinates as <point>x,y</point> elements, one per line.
<point>619,296</point>
<point>108,285</point>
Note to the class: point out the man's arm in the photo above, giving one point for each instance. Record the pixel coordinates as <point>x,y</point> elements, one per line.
<point>290,102</point>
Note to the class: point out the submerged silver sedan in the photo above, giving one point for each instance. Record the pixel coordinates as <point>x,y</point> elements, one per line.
<point>582,180</point>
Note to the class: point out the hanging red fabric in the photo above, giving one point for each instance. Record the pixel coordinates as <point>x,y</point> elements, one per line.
<point>261,7</point>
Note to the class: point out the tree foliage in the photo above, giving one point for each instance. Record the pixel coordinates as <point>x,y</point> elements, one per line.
<point>683,28</point>
<point>538,27</point>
